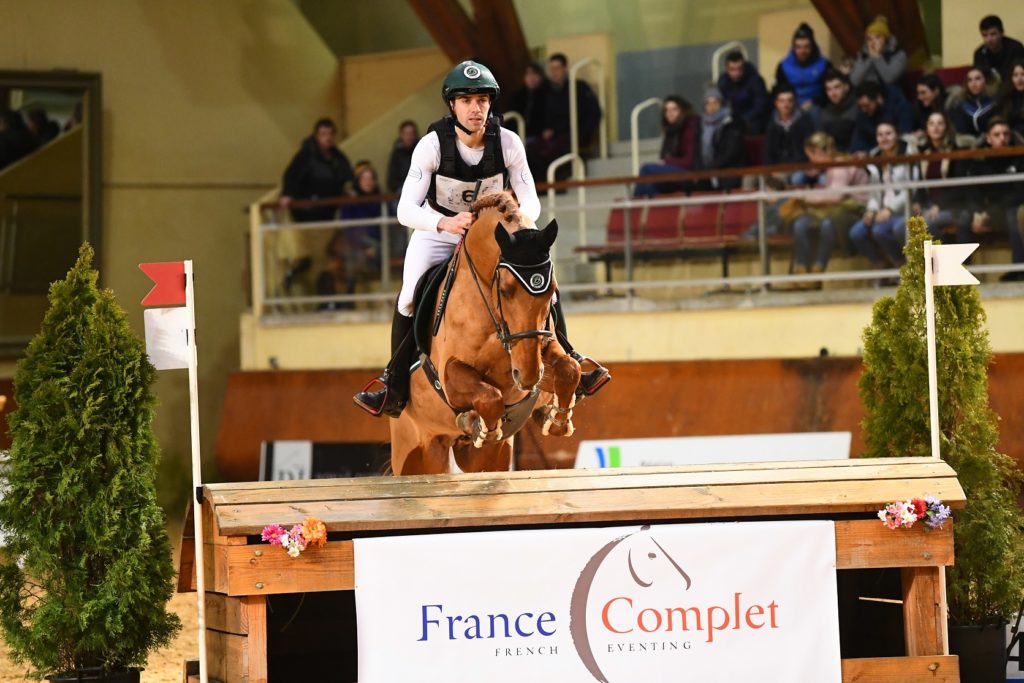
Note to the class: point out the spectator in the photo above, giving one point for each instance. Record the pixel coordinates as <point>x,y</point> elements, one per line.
<point>941,206</point>
<point>970,114</point>
<point>16,141</point>
<point>840,113</point>
<point>718,142</point>
<point>678,124</point>
<point>319,170</point>
<point>529,101</point>
<point>804,68</point>
<point>997,52</point>
<point>401,155</point>
<point>75,119</point>
<point>875,108</point>
<point>1011,99</point>
<point>997,204</point>
<point>745,92</point>
<point>881,60</point>
<point>930,98</point>
<point>789,129</point>
<point>881,232</point>
<point>555,135</point>
<point>828,211</point>
<point>41,126</point>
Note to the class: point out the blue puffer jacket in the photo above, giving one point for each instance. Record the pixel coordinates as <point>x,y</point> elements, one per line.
<point>806,79</point>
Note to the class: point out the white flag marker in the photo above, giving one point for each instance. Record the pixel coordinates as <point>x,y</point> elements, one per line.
<point>167,337</point>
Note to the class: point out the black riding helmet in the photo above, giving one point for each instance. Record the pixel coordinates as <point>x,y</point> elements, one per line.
<point>469,78</point>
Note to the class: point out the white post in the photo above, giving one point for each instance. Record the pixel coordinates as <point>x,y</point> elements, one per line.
<point>929,312</point>
<point>197,469</point>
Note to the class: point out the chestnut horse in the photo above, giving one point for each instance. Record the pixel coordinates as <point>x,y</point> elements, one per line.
<point>494,349</point>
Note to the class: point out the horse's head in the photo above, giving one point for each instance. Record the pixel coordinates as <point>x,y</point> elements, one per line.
<point>526,282</point>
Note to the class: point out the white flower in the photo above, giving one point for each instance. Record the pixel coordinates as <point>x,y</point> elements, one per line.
<point>293,550</point>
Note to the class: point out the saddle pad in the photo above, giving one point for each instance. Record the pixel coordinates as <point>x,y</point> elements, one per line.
<point>427,290</point>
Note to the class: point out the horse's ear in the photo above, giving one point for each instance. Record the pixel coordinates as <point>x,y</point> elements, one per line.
<point>502,237</point>
<point>549,233</point>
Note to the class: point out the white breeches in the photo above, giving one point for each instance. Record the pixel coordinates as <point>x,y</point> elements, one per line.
<point>425,250</point>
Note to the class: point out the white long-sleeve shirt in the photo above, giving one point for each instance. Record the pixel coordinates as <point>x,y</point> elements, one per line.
<point>414,213</point>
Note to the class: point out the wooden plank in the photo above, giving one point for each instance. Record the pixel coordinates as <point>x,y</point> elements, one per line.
<point>924,611</point>
<point>226,656</point>
<point>224,613</point>
<point>494,486</point>
<point>752,500</point>
<point>939,669</point>
<point>862,544</point>
<point>273,572</point>
<point>254,619</point>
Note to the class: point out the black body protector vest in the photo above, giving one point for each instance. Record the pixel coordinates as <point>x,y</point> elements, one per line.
<point>453,188</point>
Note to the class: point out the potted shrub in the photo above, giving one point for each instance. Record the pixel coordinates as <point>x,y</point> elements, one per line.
<point>87,572</point>
<point>986,585</point>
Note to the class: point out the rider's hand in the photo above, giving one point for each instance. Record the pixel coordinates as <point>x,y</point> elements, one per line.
<point>456,224</point>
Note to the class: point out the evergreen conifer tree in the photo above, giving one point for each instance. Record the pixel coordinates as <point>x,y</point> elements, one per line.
<point>986,584</point>
<point>87,570</point>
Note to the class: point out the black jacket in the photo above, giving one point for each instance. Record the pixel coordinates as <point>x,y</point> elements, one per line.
<point>728,150</point>
<point>312,175</point>
<point>556,111</point>
<point>1002,61</point>
<point>945,197</point>
<point>997,195</point>
<point>748,98</point>
<point>398,165</point>
<point>531,104</point>
<point>838,120</point>
<point>784,145</point>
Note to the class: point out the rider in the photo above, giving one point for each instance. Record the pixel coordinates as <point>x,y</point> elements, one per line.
<point>463,155</point>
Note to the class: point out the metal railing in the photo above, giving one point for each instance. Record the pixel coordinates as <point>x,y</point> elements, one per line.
<point>520,122</point>
<point>574,127</point>
<point>634,130</point>
<point>716,57</point>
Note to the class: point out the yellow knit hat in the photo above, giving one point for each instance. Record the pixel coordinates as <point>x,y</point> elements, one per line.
<point>880,27</point>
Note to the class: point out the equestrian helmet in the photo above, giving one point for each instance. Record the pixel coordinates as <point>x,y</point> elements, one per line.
<point>469,78</point>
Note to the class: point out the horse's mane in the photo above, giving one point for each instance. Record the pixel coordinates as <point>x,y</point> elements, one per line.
<point>504,207</point>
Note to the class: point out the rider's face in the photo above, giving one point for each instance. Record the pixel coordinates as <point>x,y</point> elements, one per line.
<point>472,110</point>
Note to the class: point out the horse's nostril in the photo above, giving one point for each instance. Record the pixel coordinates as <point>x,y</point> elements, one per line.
<point>516,376</point>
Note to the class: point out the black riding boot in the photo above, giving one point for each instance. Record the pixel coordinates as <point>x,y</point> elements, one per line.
<point>591,381</point>
<point>392,397</point>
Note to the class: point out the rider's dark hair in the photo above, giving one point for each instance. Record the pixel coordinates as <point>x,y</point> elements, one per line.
<point>991,21</point>
<point>560,58</point>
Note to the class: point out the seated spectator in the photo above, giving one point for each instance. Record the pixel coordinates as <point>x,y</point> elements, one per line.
<point>804,68</point>
<point>930,97</point>
<point>970,114</point>
<point>877,107</point>
<point>940,206</point>
<point>881,59</point>
<point>881,233</point>
<point>41,126</point>
<point>829,212</point>
<point>678,124</point>
<point>1011,99</point>
<point>529,101</point>
<point>788,130</point>
<point>16,141</point>
<point>353,252</point>
<point>997,52</point>
<point>555,136</point>
<point>996,206</point>
<point>745,92</point>
<point>401,155</point>
<point>840,113</point>
<point>319,170</point>
<point>718,143</point>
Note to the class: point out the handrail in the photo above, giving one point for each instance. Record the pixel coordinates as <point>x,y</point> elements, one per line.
<point>634,133</point>
<point>580,171</point>
<point>520,121</point>
<point>716,57</point>
<point>574,129</point>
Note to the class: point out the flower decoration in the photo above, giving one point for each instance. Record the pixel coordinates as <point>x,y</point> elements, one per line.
<point>312,532</point>
<point>905,513</point>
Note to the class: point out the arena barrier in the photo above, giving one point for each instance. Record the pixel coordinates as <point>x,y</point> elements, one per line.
<point>245,574</point>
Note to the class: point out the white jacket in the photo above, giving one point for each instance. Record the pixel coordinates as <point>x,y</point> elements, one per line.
<point>881,173</point>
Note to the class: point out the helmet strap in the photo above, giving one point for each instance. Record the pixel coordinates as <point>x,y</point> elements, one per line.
<point>455,120</point>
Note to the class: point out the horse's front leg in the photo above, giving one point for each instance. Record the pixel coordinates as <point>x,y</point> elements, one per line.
<point>467,387</point>
<point>561,377</point>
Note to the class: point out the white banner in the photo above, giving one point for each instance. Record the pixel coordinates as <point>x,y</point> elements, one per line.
<point>167,337</point>
<point>707,602</point>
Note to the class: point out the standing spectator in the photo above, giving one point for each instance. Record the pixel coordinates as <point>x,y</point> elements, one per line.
<point>804,68</point>
<point>941,206</point>
<point>678,124</point>
<point>971,114</point>
<point>745,92</point>
<point>997,52</point>
<point>881,232</point>
<point>15,139</point>
<point>555,137</point>
<point>875,108</point>
<point>319,170</point>
<point>930,97</point>
<point>881,59</point>
<point>840,113</point>
<point>1011,99</point>
<point>997,204</point>
<point>529,101</point>
<point>789,129</point>
<point>828,211</point>
<point>41,126</point>
<point>719,142</point>
<point>401,155</point>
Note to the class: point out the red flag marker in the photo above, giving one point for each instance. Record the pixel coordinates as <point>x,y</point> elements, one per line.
<point>169,289</point>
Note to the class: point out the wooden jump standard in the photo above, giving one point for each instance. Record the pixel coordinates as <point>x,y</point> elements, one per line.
<point>242,572</point>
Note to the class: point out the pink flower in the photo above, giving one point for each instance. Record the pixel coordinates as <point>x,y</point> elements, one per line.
<point>297,538</point>
<point>273,533</point>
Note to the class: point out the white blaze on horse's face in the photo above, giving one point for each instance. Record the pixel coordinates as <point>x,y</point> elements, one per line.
<point>472,110</point>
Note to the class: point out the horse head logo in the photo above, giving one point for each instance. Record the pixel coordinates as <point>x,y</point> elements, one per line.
<point>639,572</point>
